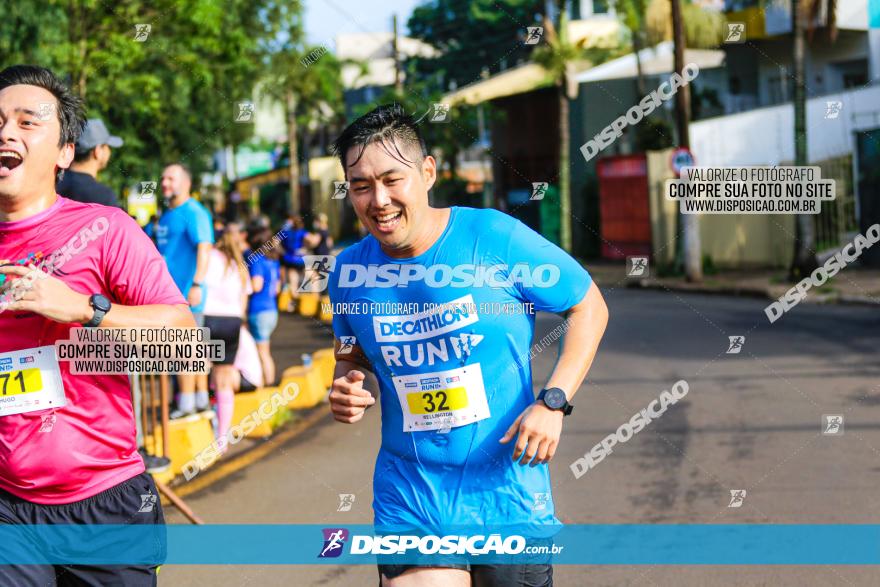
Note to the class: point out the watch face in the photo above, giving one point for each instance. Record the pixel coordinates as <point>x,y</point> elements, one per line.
<point>100,302</point>
<point>554,398</point>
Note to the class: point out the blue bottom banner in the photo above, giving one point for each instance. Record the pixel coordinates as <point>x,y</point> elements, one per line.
<point>297,544</point>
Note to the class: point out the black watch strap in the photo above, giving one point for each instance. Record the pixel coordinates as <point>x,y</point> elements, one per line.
<point>565,407</point>
<point>96,302</point>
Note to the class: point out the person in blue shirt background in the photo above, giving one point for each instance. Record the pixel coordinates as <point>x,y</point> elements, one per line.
<point>185,237</point>
<point>447,300</point>
<point>265,271</point>
<point>293,236</point>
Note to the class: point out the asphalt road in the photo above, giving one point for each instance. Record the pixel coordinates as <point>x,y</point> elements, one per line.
<point>750,421</point>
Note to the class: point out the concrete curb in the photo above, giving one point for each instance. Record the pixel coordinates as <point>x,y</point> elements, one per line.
<point>754,292</point>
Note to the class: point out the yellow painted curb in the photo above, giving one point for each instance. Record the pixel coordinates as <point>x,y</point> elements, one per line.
<point>223,469</point>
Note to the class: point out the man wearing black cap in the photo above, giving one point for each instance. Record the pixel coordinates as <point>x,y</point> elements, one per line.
<point>91,156</point>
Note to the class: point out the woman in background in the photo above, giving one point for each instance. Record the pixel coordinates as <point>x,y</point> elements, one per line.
<point>265,272</point>
<point>228,282</point>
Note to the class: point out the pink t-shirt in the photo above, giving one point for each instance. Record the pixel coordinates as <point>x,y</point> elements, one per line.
<point>91,445</point>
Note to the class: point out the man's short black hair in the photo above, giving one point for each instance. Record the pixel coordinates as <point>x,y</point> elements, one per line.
<point>70,110</point>
<point>80,156</point>
<point>388,125</point>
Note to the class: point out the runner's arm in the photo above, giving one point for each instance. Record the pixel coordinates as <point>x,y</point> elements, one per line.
<point>586,325</point>
<point>203,254</point>
<point>538,429</point>
<point>50,297</point>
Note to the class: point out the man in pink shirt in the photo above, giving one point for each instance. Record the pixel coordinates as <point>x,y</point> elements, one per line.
<point>81,265</point>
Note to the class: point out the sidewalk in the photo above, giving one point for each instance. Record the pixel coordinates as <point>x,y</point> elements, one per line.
<point>851,285</point>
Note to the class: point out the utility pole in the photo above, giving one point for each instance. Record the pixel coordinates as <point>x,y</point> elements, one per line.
<point>804,259</point>
<point>398,82</point>
<point>689,249</point>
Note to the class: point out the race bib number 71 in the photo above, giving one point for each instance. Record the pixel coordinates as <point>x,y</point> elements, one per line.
<point>30,380</point>
<point>442,399</point>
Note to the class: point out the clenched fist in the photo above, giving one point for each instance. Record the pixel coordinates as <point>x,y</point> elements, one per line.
<point>348,398</point>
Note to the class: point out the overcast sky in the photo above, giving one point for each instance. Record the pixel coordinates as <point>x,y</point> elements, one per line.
<point>327,18</point>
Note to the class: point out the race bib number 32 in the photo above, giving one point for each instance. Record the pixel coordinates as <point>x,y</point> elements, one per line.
<point>29,381</point>
<point>443,399</point>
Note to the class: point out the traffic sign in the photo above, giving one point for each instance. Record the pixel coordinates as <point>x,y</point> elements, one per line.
<point>681,157</point>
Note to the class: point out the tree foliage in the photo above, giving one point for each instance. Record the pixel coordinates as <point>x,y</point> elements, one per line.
<point>172,96</point>
<point>472,36</point>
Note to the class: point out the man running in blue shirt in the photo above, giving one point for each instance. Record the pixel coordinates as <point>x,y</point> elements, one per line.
<point>443,334</point>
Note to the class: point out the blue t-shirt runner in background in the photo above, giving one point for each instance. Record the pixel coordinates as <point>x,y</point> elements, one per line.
<point>265,299</point>
<point>178,235</point>
<point>468,366</point>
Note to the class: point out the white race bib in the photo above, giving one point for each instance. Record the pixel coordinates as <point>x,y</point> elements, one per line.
<point>442,399</point>
<point>30,380</point>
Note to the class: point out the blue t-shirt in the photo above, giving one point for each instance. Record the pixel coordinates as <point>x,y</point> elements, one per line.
<point>292,241</point>
<point>178,235</point>
<point>462,474</point>
<point>265,299</point>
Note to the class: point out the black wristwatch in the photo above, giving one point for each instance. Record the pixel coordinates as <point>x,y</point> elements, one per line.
<point>554,398</point>
<point>101,305</point>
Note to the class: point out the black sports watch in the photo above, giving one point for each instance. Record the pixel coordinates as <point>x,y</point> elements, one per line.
<point>554,398</point>
<point>101,305</point>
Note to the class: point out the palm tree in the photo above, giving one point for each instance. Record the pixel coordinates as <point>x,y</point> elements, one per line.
<point>559,57</point>
<point>306,81</point>
<point>632,15</point>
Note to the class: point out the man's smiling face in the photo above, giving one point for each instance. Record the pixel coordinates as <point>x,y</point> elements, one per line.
<point>30,133</point>
<point>390,196</point>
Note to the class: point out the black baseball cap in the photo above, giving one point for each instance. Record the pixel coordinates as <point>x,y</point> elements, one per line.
<point>95,134</point>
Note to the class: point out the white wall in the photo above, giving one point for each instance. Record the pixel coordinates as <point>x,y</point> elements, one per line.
<point>766,136</point>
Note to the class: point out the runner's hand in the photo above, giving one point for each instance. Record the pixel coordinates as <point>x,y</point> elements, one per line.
<point>194,296</point>
<point>46,295</point>
<point>348,398</point>
<point>539,429</point>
